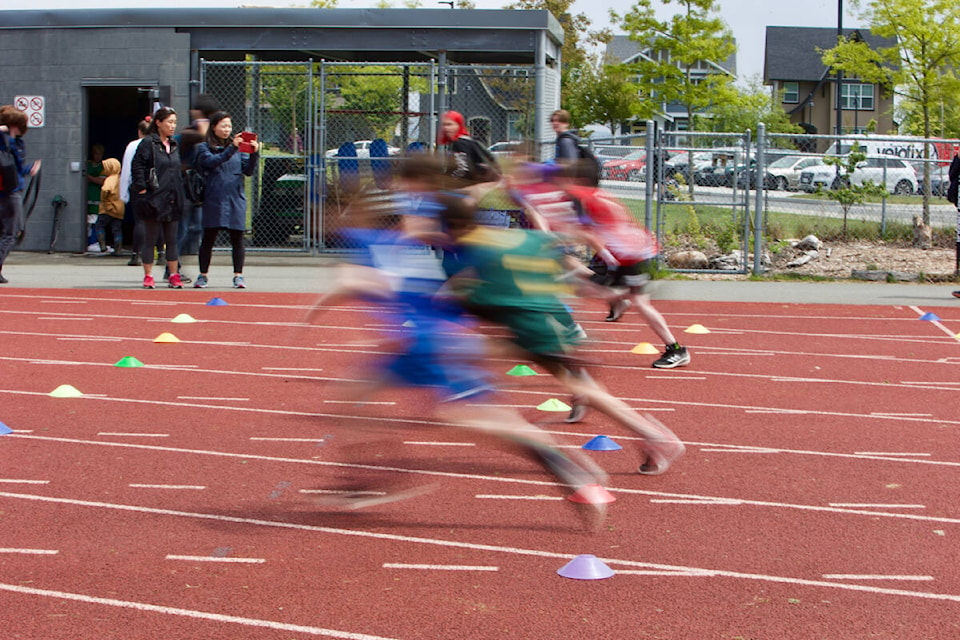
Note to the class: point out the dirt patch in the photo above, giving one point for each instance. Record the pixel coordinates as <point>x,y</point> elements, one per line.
<point>842,259</point>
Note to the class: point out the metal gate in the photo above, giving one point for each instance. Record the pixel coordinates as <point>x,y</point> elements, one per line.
<point>333,130</point>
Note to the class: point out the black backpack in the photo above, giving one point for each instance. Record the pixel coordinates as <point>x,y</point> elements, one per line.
<point>9,177</point>
<point>590,160</point>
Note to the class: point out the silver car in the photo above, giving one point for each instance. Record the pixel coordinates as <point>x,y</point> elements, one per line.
<point>783,174</point>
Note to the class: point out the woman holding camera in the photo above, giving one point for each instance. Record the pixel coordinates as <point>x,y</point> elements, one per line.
<point>156,178</point>
<point>224,203</point>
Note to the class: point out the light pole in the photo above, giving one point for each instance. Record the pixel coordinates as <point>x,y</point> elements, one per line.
<point>839,74</point>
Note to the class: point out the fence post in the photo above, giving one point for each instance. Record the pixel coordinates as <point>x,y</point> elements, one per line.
<point>758,209</point>
<point>652,177</point>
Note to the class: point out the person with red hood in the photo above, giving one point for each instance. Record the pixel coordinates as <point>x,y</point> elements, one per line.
<point>472,162</point>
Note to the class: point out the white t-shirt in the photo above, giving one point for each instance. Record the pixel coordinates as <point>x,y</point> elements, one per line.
<point>125,177</point>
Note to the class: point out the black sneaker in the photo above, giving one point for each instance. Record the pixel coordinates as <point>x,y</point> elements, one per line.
<point>673,357</point>
<point>617,309</point>
<point>3,280</point>
<point>135,260</point>
<point>577,412</point>
<point>956,294</point>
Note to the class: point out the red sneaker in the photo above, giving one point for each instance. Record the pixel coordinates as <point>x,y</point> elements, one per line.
<point>148,282</point>
<point>175,282</point>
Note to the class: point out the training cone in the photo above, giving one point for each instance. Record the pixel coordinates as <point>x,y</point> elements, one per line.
<point>696,328</point>
<point>586,567</point>
<point>553,405</point>
<point>65,391</point>
<point>128,362</point>
<point>521,370</point>
<point>644,348</point>
<point>591,494</point>
<point>930,317</point>
<point>184,318</point>
<point>601,443</point>
<point>217,302</point>
<point>4,429</point>
<point>166,337</point>
<point>409,324</point>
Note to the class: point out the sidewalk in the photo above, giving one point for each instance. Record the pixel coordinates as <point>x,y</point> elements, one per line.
<point>299,273</point>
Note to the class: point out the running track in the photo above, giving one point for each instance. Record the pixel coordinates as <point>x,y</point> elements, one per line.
<point>817,498</point>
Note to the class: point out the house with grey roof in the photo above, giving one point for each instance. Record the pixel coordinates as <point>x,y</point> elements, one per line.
<point>670,116</point>
<point>807,89</point>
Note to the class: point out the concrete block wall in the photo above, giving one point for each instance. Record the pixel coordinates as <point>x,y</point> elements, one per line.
<point>59,64</point>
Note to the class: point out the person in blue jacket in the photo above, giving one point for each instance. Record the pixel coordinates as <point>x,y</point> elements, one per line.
<point>224,203</point>
<point>13,124</point>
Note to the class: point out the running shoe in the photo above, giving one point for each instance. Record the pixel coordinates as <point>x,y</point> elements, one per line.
<point>175,282</point>
<point>148,282</point>
<point>135,261</point>
<point>617,309</point>
<point>3,280</point>
<point>956,294</point>
<point>672,358</point>
<point>201,282</point>
<point>662,452</point>
<point>238,282</point>
<point>577,412</point>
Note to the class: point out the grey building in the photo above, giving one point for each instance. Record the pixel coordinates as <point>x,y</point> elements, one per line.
<point>96,73</point>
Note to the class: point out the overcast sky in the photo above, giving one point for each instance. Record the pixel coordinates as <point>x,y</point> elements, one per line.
<point>747,19</point>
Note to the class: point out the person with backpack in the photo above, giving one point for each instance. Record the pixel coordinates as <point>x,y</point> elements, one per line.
<point>13,124</point>
<point>567,146</point>
<point>472,162</point>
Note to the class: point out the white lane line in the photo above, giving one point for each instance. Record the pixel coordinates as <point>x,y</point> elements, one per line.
<point>189,613</point>
<point>290,369</point>
<point>710,501</point>
<point>436,542</point>
<point>669,377</point>
<point>217,559</point>
<point>339,492</point>
<point>90,339</point>
<point>17,481</point>
<point>892,413</point>
<point>891,453</point>
<point>213,398</point>
<point>798,412</point>
<point>868,576</point>
<point>32,552</point>
<point>267,439</point>
<point>439,567</point>
<point>134,435</point>
<point>925,382</point>
<point>362,402</point>
<point>64,319</point>
<point>867,505</point>
<point>64,301</point>
<point>440,444</point>
<point>197,487</point>
<point>740,450</point>
<point>936,323</point>
<point>493,496</point>
<point>681,574</point>
<point>162,303</point>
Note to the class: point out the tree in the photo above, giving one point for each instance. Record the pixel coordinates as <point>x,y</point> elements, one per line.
<point>844,191</point>
<point>919,65</point>
<point>676,47</point>
<point>743,109</point>
<point>604,93</point>
<point>324,4</point>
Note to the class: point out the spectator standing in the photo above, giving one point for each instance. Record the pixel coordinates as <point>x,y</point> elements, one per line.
<point>129,197</point>
<point>224,203</point>
<point>472,162</point>
<point>13,124</point>
<point>94,175</point>
<point>567,145</point>
<point>157,179</point>
<point>111,208</point>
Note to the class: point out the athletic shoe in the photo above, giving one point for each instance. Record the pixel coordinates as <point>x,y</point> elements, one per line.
<point>93,248</point>
<point>148,282</point>
<point>238,282</point>
<point>3,280</point>
<point>185,279</point>
<point>673,357</point>
<point>201,282</point>
<point>577,412</point>
<point>175,282</point>
<point>135,260</point>
<point>956,294</point>
<point>662,452</point>
<point>617,309</point>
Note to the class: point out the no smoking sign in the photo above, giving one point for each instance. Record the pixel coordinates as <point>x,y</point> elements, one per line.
<point>34,107</point>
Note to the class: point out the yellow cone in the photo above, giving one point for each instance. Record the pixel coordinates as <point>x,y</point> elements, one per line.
<point>166,337</point>
<point>696,328</point>
<point>65,391</point>
<point>644,348</point>
<point>553,405</point>
<point>184,318</point>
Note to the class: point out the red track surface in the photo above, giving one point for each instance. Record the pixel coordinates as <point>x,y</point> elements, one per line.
<point>817,498</point>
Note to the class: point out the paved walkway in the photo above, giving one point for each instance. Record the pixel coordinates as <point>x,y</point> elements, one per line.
<point>313,274</point>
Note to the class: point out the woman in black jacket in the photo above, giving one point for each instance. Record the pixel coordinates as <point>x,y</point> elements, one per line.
<point>156,177</point>
<point>472,162</point>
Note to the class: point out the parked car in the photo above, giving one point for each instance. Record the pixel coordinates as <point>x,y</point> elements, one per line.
<point>901,179</point>
<point>783,174</point>
<point>678,164</point>
<point>363,150</point>
<point>507,148</point>
<point>631,167</point>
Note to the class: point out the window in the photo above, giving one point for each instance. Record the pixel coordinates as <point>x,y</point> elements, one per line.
<point>791,92</point>
<point>857,97</point>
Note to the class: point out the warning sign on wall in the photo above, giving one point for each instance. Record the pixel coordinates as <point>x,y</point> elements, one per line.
<point>34,107</point>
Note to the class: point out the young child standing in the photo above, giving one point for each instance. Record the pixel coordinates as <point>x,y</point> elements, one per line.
<point>111,208</point>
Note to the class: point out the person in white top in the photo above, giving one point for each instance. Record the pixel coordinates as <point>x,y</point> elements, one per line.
<point>125,180</point>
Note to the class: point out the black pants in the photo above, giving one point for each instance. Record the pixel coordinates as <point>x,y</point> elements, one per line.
<point>236,243</point>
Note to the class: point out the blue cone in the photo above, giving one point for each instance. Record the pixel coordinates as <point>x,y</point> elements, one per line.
<point>602,443</point>
<point>586,567</point>
<point>217,302</point>
<point>930,317</point>
<point>4,429</point>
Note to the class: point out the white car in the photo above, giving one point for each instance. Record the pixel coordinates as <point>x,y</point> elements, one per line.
<point>501,149</point>
<point>783,174</point>
<point>363,150</point>
<point>901,179</point>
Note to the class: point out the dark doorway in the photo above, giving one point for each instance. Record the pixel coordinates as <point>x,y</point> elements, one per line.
<point>112,117</point>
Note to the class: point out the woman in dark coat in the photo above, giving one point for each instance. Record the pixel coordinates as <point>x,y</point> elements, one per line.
<point>159,204</point>
<point>224,203</point>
